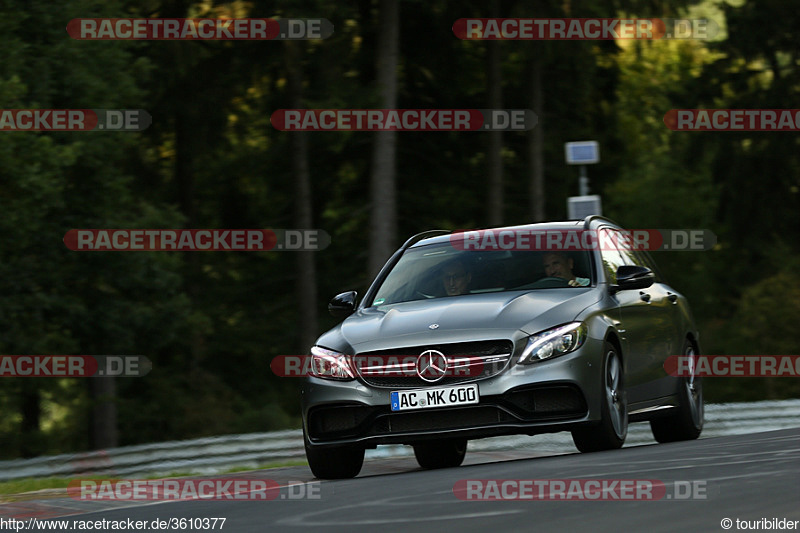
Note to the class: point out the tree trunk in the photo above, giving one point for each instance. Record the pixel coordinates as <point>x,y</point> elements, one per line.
<point>30,428</point>
<point>495,156</point>
<point>306,282</point>
<point>103,420</point>
<point>535,145</point>
<point>383,218</point>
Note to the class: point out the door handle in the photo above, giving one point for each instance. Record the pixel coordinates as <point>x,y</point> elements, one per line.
<point>644,296</point>
<point>672,297</point>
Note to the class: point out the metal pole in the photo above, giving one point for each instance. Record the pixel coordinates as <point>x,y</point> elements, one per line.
<point>583,183</point>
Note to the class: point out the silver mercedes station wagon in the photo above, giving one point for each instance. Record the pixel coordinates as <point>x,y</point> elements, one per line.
<point>462,337</point>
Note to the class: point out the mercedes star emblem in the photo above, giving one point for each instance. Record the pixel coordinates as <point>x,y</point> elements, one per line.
<point>431,365</point>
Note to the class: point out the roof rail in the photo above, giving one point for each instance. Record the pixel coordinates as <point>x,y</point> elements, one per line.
<point>588,220</point>
<point>424,235</point>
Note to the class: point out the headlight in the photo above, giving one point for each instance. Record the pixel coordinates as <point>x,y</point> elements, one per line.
<point>554,342</point>
<point>327,364</point>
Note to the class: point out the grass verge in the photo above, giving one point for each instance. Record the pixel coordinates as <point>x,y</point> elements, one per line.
<point>21,486</point>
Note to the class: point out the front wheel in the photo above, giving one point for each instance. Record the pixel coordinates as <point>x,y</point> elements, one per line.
<point>687,422</point>
<point>610,433</point>
<point>328,462</point>
<point>441,453</point>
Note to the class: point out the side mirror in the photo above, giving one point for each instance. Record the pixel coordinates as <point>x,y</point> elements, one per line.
<point>633,277</point>
<point>343,305</point>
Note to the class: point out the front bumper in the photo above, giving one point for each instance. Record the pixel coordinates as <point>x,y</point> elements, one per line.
<point>550,396</point>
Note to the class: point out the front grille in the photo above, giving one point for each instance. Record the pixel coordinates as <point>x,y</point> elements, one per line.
<point>486,359</point>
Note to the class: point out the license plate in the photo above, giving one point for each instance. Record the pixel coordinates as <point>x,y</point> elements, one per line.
<point>439,397</point>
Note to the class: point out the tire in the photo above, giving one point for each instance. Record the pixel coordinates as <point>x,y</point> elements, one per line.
<point>687,422</point>
<point>610,432</point>
<point>328,462</point>
<point>441,453</point>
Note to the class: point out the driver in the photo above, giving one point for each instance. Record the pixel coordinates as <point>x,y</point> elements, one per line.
<point>455,278</point>
<point>558,265</point>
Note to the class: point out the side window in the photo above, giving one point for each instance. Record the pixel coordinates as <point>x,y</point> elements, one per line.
<point>612,257</point>
<point>633,257</point>
<point>624,246</point>
<point>630,256</point>
<point>644,259</point>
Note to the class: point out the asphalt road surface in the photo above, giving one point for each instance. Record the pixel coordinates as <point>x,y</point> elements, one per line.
<point>746,477</point>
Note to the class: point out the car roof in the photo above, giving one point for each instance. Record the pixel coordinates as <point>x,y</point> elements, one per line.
<point>444,236</point>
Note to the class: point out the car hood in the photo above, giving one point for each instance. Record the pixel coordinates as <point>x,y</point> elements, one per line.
<point>460,318</point>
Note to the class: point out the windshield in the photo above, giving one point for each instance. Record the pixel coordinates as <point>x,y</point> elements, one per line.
<point>440,271</point>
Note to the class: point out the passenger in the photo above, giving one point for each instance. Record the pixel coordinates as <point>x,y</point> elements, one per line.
<point>558,265</point>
